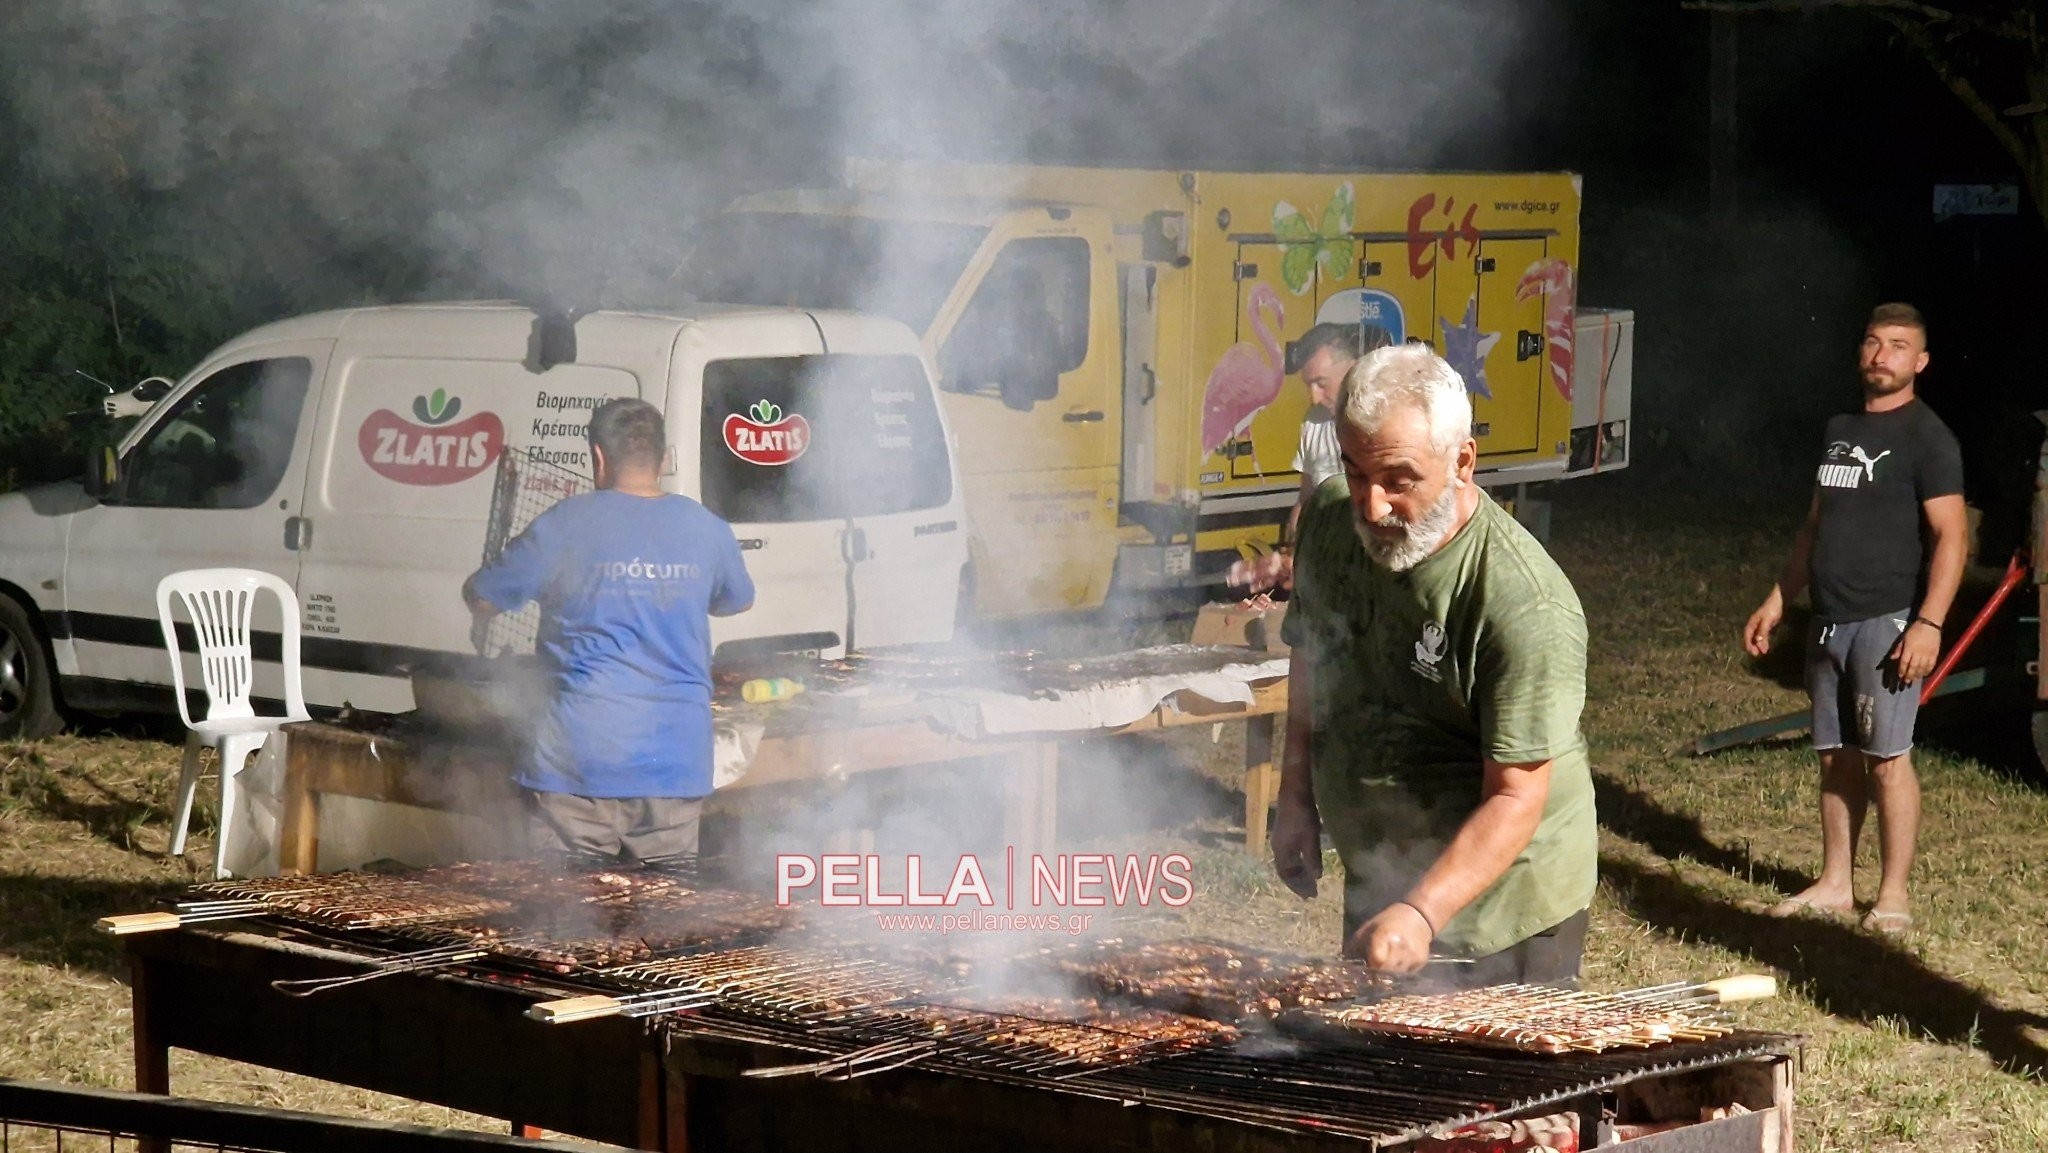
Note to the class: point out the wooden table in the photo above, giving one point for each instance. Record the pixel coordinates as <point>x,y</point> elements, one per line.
<point>325,759</point>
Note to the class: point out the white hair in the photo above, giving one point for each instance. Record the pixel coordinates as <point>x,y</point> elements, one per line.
<point>1407,374</point>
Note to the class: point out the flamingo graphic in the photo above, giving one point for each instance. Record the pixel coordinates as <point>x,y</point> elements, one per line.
<point>1246,378</point>
<point>1553,279</point>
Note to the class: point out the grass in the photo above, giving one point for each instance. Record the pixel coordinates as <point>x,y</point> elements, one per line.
<point>1941,1036</point>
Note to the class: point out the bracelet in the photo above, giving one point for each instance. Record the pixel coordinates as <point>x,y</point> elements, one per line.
<point>1423,915</point>
<point>1935,625</point>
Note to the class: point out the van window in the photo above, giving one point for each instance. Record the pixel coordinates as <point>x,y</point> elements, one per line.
<point>820,438</point>
<point>1033,304</point>
<point>224,444</point>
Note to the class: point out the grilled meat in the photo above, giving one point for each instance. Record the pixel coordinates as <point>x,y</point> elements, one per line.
<point>1213,979</point>
<point>1531,1019</point>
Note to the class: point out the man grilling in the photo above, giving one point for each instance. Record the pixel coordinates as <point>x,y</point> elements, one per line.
<point>627,578</point>
<point>1437,675</point>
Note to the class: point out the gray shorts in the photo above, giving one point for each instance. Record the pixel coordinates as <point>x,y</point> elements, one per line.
<point>1857,696</point>
<point>633,828</point>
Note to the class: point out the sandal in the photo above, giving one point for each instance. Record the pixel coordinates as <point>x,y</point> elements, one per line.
<point>1889,923</point>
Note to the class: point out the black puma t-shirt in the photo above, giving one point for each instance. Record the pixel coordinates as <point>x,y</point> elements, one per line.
<point>1877,469</point>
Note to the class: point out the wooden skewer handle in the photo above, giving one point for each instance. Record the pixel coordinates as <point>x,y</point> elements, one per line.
<point>126,923</point>
<point>1743,987</point>
<point>575,1009</point>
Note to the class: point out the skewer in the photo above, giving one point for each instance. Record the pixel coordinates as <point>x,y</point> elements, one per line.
<point>1549,1020</point>
<point>411,963</point>
<point>877,1058</point>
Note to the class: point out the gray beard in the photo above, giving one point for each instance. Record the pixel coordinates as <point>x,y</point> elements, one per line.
<point>1418,540</point>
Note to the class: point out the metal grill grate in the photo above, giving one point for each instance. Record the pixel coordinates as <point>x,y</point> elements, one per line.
<point>522,490</point>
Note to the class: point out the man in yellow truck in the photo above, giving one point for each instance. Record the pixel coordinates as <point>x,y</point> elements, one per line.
<point>1322,357</point>
<point>1436,680</point>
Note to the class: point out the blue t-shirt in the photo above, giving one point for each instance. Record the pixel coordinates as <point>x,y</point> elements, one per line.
<point>627,585</point>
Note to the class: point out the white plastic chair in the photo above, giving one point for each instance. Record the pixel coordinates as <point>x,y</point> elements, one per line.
<point>220,602</point>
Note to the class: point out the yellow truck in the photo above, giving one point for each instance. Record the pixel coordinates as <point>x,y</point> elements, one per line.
<point>1112,343</point>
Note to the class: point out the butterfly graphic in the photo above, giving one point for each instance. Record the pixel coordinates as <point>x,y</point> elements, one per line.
<point>1304,246</point>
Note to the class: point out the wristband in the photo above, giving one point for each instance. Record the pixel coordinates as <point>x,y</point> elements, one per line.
<point>1935,625</point>
<point>1423,915</point>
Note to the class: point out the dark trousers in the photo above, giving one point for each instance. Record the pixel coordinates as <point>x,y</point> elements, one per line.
<point>1549,958</point>
<point>632,828</point>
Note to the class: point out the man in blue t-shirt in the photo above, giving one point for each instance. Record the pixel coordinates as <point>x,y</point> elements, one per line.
<point>627,578</point>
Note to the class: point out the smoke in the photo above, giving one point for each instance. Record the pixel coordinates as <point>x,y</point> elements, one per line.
<point>359,150</point>
<point>372,148</point>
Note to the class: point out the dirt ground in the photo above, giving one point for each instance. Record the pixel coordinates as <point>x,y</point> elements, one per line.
<point>1940,1035</point>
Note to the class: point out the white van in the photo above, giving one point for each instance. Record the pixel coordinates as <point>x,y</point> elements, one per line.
<point>355,453</point>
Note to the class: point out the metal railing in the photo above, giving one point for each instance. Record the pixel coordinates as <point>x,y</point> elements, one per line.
<point>38,1116</point>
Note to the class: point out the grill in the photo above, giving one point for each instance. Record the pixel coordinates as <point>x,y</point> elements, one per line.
<point>784,984</point>
<point>1282,1043</point>
<point>1534,1019</point>
<point>1217,979</point>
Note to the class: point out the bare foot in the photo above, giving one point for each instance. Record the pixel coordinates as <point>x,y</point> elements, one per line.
<point>1815,902</point>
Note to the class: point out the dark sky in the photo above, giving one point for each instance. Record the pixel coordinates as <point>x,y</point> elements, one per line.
<point>361,149</point>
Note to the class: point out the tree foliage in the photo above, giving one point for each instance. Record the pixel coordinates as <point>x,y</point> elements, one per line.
<point>1991,54</point>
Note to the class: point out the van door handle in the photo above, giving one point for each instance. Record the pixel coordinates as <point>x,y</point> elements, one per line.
<point>298,533</point>
<point>1089,417</point>
<point>853,545</point>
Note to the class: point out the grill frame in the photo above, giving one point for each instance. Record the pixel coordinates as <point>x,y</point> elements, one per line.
<point>461,1040</point>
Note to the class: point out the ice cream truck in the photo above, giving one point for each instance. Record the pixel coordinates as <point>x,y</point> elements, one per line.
<point>1112,343</point>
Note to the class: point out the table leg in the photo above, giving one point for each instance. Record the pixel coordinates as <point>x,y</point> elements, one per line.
<point>152,1056</point>
<point>1031,799</point>
<point>298,829</point>
<point>1261,781</point>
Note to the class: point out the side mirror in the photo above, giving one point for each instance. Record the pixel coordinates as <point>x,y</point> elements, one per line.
<point>139,399</point>
<point>102,472</point>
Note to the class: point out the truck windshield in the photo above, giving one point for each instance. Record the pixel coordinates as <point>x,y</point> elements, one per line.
<point>820,438</point>
<point>901,269</point>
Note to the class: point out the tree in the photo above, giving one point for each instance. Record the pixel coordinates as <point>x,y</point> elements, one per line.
<point>1991,54</point>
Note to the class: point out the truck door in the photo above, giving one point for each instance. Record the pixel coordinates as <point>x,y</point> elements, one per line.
<point>1509,406</point>
<point>1027,358</point>
<point>213,479</point>
<point>833,471</point>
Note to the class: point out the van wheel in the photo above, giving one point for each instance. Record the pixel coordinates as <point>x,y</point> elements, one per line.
<point>28,698</point>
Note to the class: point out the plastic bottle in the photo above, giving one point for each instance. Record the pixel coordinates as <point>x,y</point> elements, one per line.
<point>761,690</point>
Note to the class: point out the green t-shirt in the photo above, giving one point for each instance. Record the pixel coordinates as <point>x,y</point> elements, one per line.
<point>1478,652</point>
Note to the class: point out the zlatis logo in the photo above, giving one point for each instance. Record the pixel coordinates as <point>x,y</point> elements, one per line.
<point>437,449</point>
<point>765,436</point>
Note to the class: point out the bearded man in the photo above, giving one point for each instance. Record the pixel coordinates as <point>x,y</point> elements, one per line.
<point>1435,683</point>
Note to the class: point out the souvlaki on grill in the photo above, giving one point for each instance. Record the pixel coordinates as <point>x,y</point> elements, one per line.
<point>658,942</point>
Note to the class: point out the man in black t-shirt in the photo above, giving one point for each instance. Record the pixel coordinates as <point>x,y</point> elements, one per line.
<point>1881,593</point>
